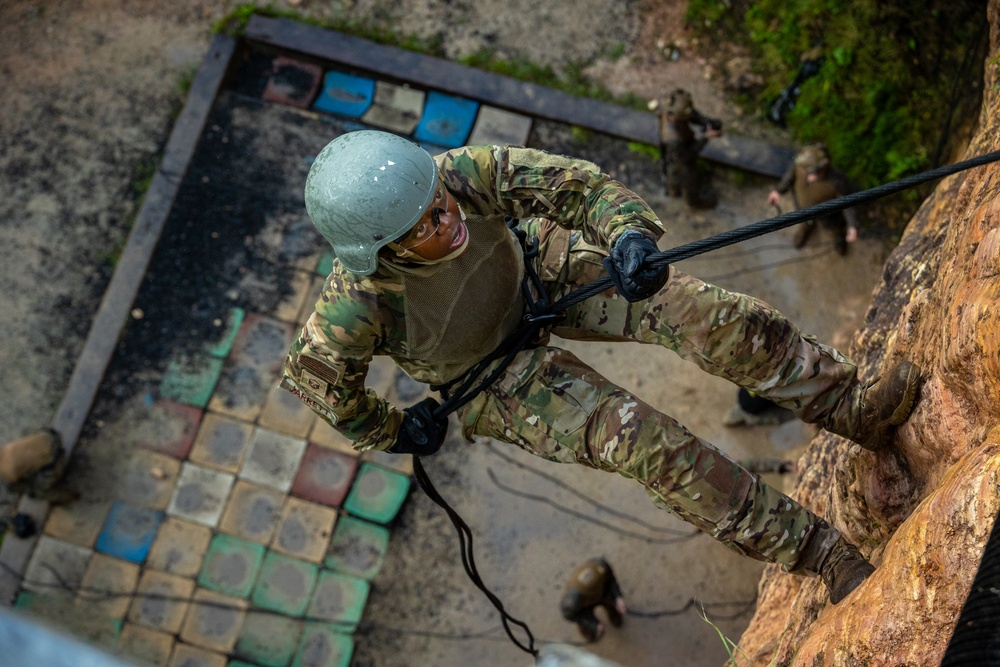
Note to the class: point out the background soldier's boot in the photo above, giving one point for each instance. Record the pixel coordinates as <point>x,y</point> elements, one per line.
<point>838,562</point>
<point>803,233</point>
<point>884,404</point>
<point>34,465</point>
<point>26,456</point>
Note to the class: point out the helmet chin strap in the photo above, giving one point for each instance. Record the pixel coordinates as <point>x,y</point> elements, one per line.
<point>412,257</point>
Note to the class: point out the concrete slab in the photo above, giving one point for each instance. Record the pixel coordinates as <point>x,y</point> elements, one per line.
<point>357,548</point>
<point>325,476</point>
<point>499,127</point>
<point>395,108</point>
<point>268,640</point>
<point>304,530</point>
<point>214,621</point>
<point>231,566</point>
<point>221,443</point>
<point>339,598</point>
<point>323,646</point>
<point>284,584</point>
<point>273,459</point>
<point>160,601</point>
<point>200,495</point>
<point>293,82</point>
<point>129,532</point>
<point>345,94</point>
<point>377,494</point>
<point>252,512</point>
<point>447,120</point>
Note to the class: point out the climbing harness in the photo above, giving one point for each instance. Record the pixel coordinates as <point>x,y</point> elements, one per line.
<point>542,312</point>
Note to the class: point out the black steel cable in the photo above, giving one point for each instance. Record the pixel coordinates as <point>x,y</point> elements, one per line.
<point>780,222</point>
<point>699,247</point>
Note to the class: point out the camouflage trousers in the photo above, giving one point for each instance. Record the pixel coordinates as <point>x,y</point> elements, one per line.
<point>552,404</point>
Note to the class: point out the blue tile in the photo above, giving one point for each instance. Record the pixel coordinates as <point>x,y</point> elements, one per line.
<point>345,94</point>
<point>129,531</point>
<point>447,120</point>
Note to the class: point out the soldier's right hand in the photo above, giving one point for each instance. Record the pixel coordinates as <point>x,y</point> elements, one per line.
<point>422,433</point>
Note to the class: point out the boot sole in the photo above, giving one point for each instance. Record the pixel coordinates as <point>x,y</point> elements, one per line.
<point>905,407</point>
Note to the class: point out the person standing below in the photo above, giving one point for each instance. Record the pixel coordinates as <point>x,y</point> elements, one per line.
<point>429,271</point>
<point>813,181</point>
<point>683,134</point>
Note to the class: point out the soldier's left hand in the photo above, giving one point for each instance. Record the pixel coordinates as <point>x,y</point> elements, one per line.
<point>421,433</point>
<point>633,275</point>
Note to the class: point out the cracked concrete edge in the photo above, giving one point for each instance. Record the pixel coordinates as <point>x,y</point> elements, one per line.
<point>116,304</point>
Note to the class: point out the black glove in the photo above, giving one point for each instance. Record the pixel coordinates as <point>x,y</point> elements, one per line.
<point>421,434</point>
<point>627,267</point>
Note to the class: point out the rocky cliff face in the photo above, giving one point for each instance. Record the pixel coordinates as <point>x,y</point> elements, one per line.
<point>924,508</point>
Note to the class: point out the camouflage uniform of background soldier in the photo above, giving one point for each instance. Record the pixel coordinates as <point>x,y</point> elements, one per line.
<point>428,273</point>
<point>683,133</point>
<point>813,181</point>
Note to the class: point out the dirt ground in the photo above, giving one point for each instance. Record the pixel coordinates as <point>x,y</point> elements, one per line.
<point>90,92</point>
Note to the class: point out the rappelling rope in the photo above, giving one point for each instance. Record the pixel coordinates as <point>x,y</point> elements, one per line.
<point>541,313</point>
<point>780,222</point>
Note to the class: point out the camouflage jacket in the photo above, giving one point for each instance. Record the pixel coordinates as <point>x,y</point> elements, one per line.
<point>831,186</point>
<point>357,317</point>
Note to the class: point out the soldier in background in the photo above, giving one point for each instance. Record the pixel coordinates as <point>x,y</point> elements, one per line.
<point>589,586</point>
<point>428,272</point>
<point>813,181</point>
<point>34,465</point>
<point>683,134</point>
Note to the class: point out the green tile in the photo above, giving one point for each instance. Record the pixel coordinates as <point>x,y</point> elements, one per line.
<point>268,640</point>
<point>323,646</point>
<point>231,566</point>
<point>191,380</point>
<point>285,584</point>
<point>357,548</point>
<point>230,327</point>
<point>377,493</point>
<point>339,598</point>
<point>26,600</point>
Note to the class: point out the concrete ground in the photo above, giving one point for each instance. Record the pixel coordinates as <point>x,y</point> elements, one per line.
<point>237,258</point>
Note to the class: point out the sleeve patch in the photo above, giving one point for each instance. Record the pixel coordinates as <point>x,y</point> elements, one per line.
<point>320,370</point>
<point>316,384</point>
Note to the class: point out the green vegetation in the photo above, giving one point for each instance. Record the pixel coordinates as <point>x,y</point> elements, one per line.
<point>893,78</point>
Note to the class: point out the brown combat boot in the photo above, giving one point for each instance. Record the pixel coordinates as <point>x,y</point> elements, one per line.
<point>844,569</point>
<point>886,403</point>
<point>838,562</point>
<point>25,456</point>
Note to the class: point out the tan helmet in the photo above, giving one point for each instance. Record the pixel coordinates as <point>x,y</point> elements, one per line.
<point>366,189</point>
<point>813,158</point>
<point>680,105</point>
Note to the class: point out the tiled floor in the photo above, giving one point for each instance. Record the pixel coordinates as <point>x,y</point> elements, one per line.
<point>244,530</point>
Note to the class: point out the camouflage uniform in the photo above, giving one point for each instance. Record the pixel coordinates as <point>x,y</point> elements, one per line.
<point>830,185</point>
<point>682,131</point>
<point>548,401</point>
